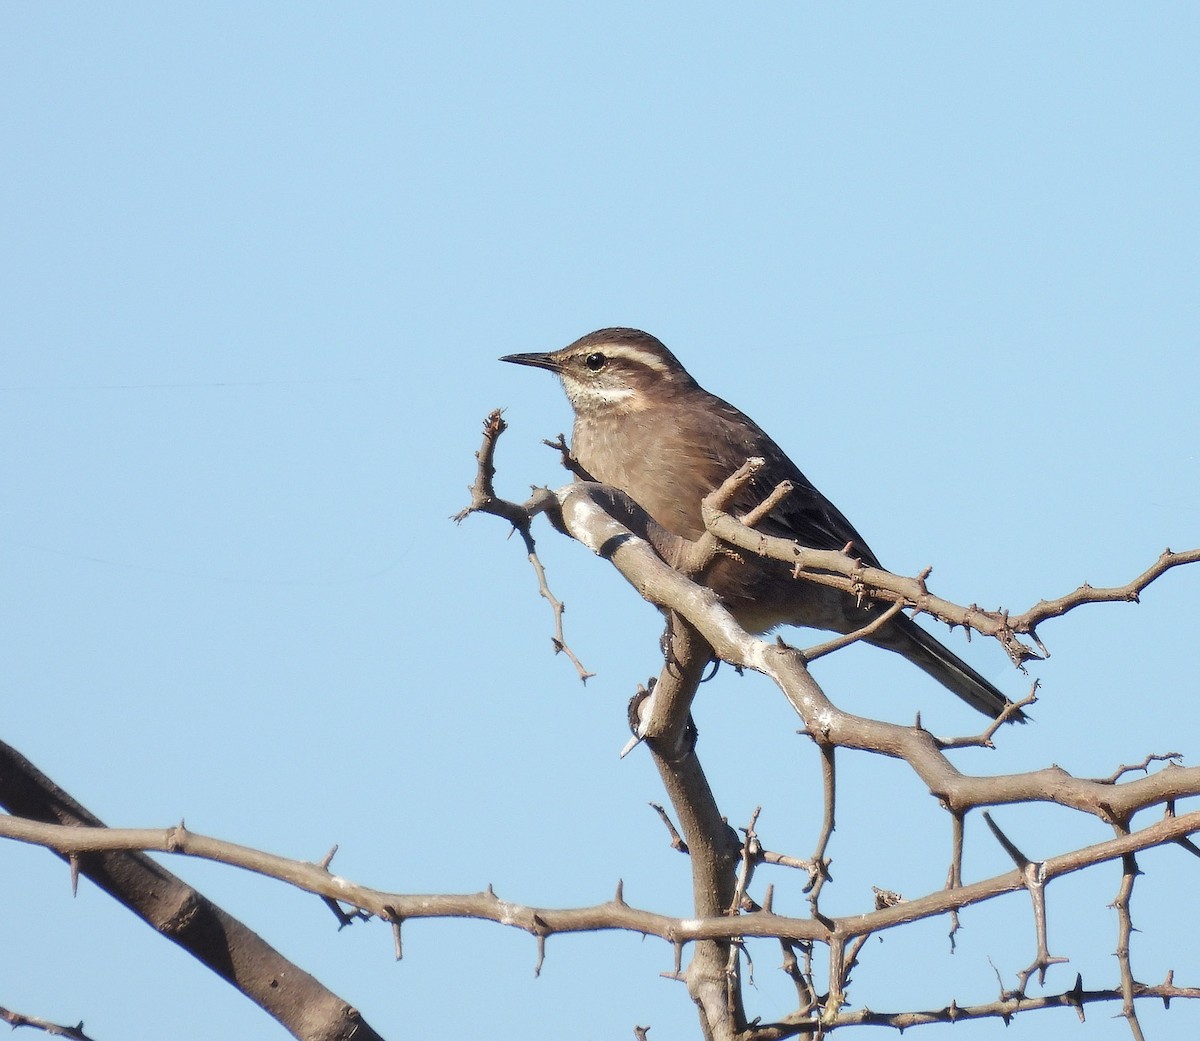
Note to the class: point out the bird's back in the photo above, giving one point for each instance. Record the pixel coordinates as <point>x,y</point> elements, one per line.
<point>667,457</point>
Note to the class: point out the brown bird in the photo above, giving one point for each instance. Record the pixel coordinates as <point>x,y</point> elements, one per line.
<point>645,426</point>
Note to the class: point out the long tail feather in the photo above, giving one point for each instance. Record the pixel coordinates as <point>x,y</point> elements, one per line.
<point>905,637</point>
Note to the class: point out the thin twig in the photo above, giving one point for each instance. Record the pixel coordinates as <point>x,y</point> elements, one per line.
<point>836,644</point>
<point>1129,873</point>
<point>485,500</point>
<point>751,852</point>
<point>569,462</point>
<point>819,864</point>
<point>677,842</point>
<point>958,826</point>
<point>1034,876</point>
<point>1171,758</point>
<point>799,1025</point>
<point>842,570</point>
<point>984,739</point>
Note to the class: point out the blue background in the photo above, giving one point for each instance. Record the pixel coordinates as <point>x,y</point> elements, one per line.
<point>259,262</point>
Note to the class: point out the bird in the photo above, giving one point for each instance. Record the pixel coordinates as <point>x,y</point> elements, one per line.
<point>644,426</point>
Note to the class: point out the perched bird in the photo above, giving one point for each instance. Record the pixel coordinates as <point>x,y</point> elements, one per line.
<point>644,426</point>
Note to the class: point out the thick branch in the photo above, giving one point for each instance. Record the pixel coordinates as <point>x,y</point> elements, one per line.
<point>217,939</point>
<point>669,573</point>
<point>711,842</point>
<point>587,520</point>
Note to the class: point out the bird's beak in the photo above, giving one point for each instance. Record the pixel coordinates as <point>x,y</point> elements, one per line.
<point>538,361</point>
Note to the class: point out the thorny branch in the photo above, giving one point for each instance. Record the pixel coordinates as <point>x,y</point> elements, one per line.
<point>811,654</point>
<point>586,519</point>
<point>1129,873</point>
<point>819,863</point>
<point>759,853</point>
<point>520,516</point>
<point>726,915</point>
<point>17,1019</point>
<point>843,571</point>
<point>607,523</point>
<point>677,842</point>
<point>177,911</point>
<point>1174,758</point>
<point>1005,1009</point>
<point>616,914</point>
<point>1034,877</point>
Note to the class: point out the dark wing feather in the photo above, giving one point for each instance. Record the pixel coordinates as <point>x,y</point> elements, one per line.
<point>805,515</point>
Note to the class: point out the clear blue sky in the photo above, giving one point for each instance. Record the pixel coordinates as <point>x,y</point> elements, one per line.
<point>259,262</point>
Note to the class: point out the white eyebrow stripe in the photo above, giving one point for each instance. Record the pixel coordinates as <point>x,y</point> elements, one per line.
<point>635,355</point>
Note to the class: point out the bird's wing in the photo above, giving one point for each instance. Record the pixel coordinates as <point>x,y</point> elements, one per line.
<point>805,515</point>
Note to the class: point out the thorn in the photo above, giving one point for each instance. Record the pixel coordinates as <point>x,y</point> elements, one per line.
<point>343,919</point>
<point>74,861</point>
<point>176,837</point>
<point>396,920</point>
<point>1018,858</point>
<point>541,958</point>
<point>620,897</point>
<point>1075,997</point>
<point>328,858</point>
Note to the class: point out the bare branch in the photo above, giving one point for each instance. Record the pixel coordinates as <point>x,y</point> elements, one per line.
<point>311,878</point>
<point>954,875</point>
<point>811,654</point>
<point>1174,758</point>
<point>1129,873</point>
<point>984,739</point>
<point>677,842</point>
<point>17,1019</point>
<point>485,500</point>
<point>843,571</point>
<point>663,572</point>
<point>712,977</point>
<point>482,489</point>
<point>1004,1009</point>
<point>569,462</point>
<point>750,856</point>
<point>557,607</point>
<point>180,913</point>
<point>586,519</point>
<point>1087,594</point>
<point>819,863</point>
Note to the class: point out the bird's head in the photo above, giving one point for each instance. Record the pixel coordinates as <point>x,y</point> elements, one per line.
<point>624,370</point>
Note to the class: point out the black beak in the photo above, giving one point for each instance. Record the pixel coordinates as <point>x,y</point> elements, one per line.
<point>538,361</point>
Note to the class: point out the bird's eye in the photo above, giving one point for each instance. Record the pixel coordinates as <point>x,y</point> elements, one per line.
<point>595,361</point>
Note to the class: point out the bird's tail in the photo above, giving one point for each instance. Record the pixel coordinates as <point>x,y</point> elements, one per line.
<point>905,637</point>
